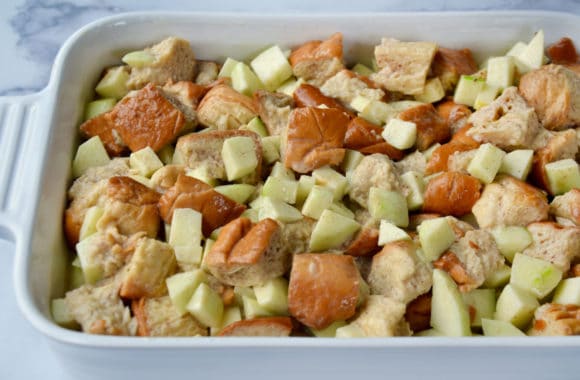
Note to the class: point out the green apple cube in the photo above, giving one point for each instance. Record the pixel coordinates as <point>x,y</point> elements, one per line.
<point>491,327</point>
<point>188,255</point>
<point>498,278</point>
<point>429,333</point>
<point>375,111</point>
<point>243,291</point>
<point>568,292</point>
<point>500,72</point>
<point>532,57</point>
<point>537,276</point>
<point>486,163</point>
<point>319,199</point>
<point>92,268</point>
<point>429,151</point>
<point>201,172</point>
<point>280,171</point>
<point>305,185</point>
<point>60,313</point>
<point>90,221</point>
<point>290,86</point>
<point>185,227</point>
<point>486,95</point>
<point>258,202</point>
<point>77,277</point>
<point>209,242</point>
<point>516,306</point>
<point>326,176</point>
<point>388,205</point>
<point>206,306</point>
<point>257,126</point>
<point>341,209</point>
<point>563,175</point>
<point>349,331</point>
<point>331,230</point>
<point>351,160</point>
<point>139,58</point>
<point>239,156</point>
<point>400,134</point>
<point>114,83</point>
<point>389,233</point>
<point>231,314</point>
<point>278,210</point>
<point>517,163</point>
<point>482,301</point>
<point>272,67</point>
<point>239,192</point>
<point>227,67</point>
<point>329,331</point>
<point>244,80</point>
<point>435,236</point>
<point>415,183</point>
<point>97,107</point>
<point>271,149</point>
<point>449,314</point>
<point>145,161</point>
<point>511,239</point>
<point>89,154</point>
<point>273,295</point>
<point>252,214</point>
<point>432,92</point>
<point>252,309</point>
<point>467,90</point>
<point>360,103</point>
<point>181,286</point>
<point>361,69</point>
<point>517,49</point>
<point>166,154</point>
<point>281,188</point>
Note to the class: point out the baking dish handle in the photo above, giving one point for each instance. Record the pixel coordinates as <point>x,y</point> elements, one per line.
<point>20,160</point>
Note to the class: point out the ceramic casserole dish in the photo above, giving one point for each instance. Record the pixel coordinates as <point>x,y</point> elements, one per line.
<point>38,136</point>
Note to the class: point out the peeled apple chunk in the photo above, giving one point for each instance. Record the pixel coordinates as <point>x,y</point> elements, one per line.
<point>563,176</point>
<point>400,134</point>
<point>206,306</point>
<point>491,327</point>
<point>273,295</point>
<point>482,301</point>
<point>280,188</point>
<point>537,276</point>
<point>516,306</point>
<point>272,67</point>
<point>140,58</point>
<point>239,156</point>
<point>511,239</point>
<point>114,83</point>
<point>435,235</point>
<point>145,161</point>
<point>244,80</point>
<point>568,292</point>
<point>389,233</point>
<point>181,286</point>
<point>467,90</point>
<point>239,192</point>
<point>449,314</point>
<point>486,163</point>
<point>517,163</point>
<point>89,154</point>
<point>331,230</point>
<point>388,205</point>
<point>97,107</point>
<point>278,210</point>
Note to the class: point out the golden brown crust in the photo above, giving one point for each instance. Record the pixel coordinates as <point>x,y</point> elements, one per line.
<point>104,127</point>
<point>364,136</point>
<point>461,142</point>
<point>225,108</point>
<point>307,95</point>
<point>449,64</point>
<point>418,313</point>
<point>323,288</point>
<point>318,50</point>
<point>265,326</point>
<point>365,243</point>
<point>138,309</point>
<point>454,114</point>
<point>274,109</point>
<point>451,264</point>
<point>451,193</point>
<point>431,128</point>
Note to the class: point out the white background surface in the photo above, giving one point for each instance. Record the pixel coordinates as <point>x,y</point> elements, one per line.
<point>31,32</point>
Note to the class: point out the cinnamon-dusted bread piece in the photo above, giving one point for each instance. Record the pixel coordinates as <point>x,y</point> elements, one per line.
<point>207,72</point>
<point>274,109</point>
<point>264,326</point>
<point>440,157</point>
<point>185,95</point>
<point>165,177</point>
<point>224,108</point>
<point>248,255</point>
<point>376,170</point>
<point>364,136</point>
<point>365,243</point>
<point>324,288</point>
<point>316,61</point>
<point>346,85</point>
<point>189,192</point>
<point>382,316</point>
<point>158,317</point>
<point>450,64</point>
<point>555,243</point>
<point>174,60</point>
<point>413,162</point>
<point>454,114</point>
<point>553,319</point>
<point>314,138</point>
<point>554,92</point>
<point>510,202</point>
<point>451,193</point>
<point>204,149</point>
<point>307,95</point>
<point>431,127</point>
<point>567,206</point>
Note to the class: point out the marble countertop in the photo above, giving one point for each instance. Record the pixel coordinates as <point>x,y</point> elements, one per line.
<point>31,32</point>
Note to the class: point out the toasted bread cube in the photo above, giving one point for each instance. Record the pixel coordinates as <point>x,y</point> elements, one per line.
<point>375,170</point>
<point>345,86</point>
<point>555,319</point>
<point>451,193</point>
<point>567,206</point>
<point>449,64</point>
<point>159,317</point>
<point>380,317</point>
<point>224,108</point>
<point>316,61</point>
<point>270,326</point>
<point>554,243</point>
<point>274,110</point>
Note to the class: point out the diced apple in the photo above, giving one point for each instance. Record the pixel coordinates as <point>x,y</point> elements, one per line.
<point>563,175</point>
<point>532,57</point>
<point>568,292</point>
<point>278,210</point>
<point>97,107</point>
<point>349,331</point>
<point>114,83</point>
<point>517,163</point>
<point>181,286</point>
<point>239,156</point>
<point>280,171</point>
<point>537,276</point>
<point>271,149</point>
<point>435,235</point>
<point>185,227</point>
<point>139,58</point>
<point>166,154</point>
<point>239,192</point>
<point>257,126</point>
<point>491,327</point>
<point>400,134</point>
<point>305,185</point>
<point>429,333</point>
<point>449,314</point>
<point>280,188</point>
<point>231,314</point>
<point>432,92</point>
<point>228,67</point>
<point>243,291</point>
<point>329,331</point>
<point>244,80</point>
<point>389,233</point>
<point>498,278</point>
<point>206,306</point>
<point>361,69</point>
<point>482,301</point>
<point>360,103</point>
<point>89,154</point>
<point>60,313</point>
<point>415,183</point>
<point>486,162</point>
<point>467,90</point>
<point>351,160</point>
<point>273,295</point>
<point>372,110</point>
<point>209,242</point>
<point>388,205</point>
<point>517,49</point>
<point>92,269</point>
<point>202,173</point>
<point>500,72</point>
<point>77,277</point>
<point>272,67</point>
<point>252,308</point>
<point>341,209</point>
<point>330,178</point>
<point>486,95</point>
<point>511,239</point>
<point>319,199</point>
<point>516,306</point>
<point>290,86</point>
<point>331,231</point>
<point>89,225</point>
<point>145,161</point>
<point>252,214</point>
<point>188,255</point>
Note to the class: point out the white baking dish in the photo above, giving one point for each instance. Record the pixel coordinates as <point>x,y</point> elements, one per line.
<point>37,139</point>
